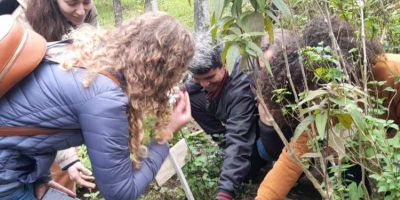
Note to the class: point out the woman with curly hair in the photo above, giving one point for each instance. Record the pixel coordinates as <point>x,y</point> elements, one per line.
<point>142,60</point>
<point>383,67</point>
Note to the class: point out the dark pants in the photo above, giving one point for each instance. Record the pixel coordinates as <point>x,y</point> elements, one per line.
<point>269,144</point>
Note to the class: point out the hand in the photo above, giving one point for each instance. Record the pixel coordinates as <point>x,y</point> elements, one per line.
<point>41,189</point>
<point>80,174</point>
<point>180,116</point>
<point>223,196</point>
<point>181,113</point>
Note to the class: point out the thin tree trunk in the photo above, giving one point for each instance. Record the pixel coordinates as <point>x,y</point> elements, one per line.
<point>150,5</point>
<point>117,12</point>
<point>201,16</point>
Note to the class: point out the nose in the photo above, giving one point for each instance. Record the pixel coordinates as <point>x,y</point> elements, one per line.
<point>80,10</point>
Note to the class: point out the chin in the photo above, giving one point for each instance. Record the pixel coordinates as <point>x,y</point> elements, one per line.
<point>77,23</point>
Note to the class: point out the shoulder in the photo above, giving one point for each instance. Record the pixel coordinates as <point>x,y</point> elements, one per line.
<point>70,83</point>
<point>91,17</point>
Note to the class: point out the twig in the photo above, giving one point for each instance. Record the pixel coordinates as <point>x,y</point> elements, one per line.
<point>313,180</point>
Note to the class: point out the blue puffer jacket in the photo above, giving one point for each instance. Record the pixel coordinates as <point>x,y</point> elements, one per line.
<point>52,97</point>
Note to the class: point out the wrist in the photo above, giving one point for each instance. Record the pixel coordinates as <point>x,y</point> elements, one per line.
<point>70,164</point>
<point>164,135</point>
<point>223,195</point>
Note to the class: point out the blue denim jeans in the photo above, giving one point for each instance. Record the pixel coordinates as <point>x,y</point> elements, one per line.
<point>25,193</point>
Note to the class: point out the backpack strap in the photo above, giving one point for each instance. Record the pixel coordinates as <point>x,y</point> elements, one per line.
<point>57,59</point>
<point>30,131</point>
<point>26,131</point>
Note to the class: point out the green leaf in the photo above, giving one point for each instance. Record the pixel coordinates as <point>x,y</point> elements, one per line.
<point>312,94</point>
<point>219,8</point>
<point>225,51</point>
<point>345,120</point>
<point>214,28</point>
<point>282,7</point>
<point>231,55</point>
<point>235,30</point>
<point>357,116</point>
<point>337,143</point>
<point>369,152</point>
<point>355,191</point>
<point>250,51</point>
<point>231,38</point>
<point>302,126</point>
<point>273,16</point>
<point>260,55</point>
<point>251,22</point>
<point>261,5</point>
<point>266,65</point>
<point>255,48</point>
<point>390,89</point>
<point>268,27</point>
<point>320,121</point>
<point>236,9</point>
<point>254,4</point>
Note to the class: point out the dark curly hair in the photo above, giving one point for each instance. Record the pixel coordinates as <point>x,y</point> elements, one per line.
<point>318,30</point>
<point>268,83</point>
<point>315,32</point>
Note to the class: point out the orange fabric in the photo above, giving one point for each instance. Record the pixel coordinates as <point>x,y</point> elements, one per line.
<point>386,68</point>
<point>62,177</point>
<point>278,182</point>
<point>21,51</point>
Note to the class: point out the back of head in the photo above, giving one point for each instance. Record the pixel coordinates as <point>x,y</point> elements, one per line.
<point>319,29</point>
<point>207,55</point>
<point>285,42</point>
<point>152,52</point>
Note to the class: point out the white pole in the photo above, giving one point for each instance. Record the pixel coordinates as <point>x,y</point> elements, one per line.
<point>182,179</point>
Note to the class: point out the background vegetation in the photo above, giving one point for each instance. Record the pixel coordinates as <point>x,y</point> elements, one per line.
<point>241,23</point>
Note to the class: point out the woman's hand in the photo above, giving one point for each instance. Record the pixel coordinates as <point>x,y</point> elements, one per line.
<point>181,115</point>
<point>81,175</point>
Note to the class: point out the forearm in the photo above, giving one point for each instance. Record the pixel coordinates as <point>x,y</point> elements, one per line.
<point>284,174</point>
<point>237,164</point>
<point>122,180</point>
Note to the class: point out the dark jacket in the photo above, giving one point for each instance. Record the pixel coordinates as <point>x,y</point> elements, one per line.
<point>233,114</point>
<point>55,98</point>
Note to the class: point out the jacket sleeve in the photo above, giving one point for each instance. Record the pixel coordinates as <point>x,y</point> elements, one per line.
<point>278,182</point>
<point>240,136</point>
<point>104,127</point>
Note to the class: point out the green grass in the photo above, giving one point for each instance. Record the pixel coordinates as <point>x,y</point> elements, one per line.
<point>178,8</point>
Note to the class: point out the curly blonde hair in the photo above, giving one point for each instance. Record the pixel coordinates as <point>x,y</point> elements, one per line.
<point>152,52</point>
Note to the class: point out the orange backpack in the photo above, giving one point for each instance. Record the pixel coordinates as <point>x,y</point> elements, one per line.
<point>21,50</point>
